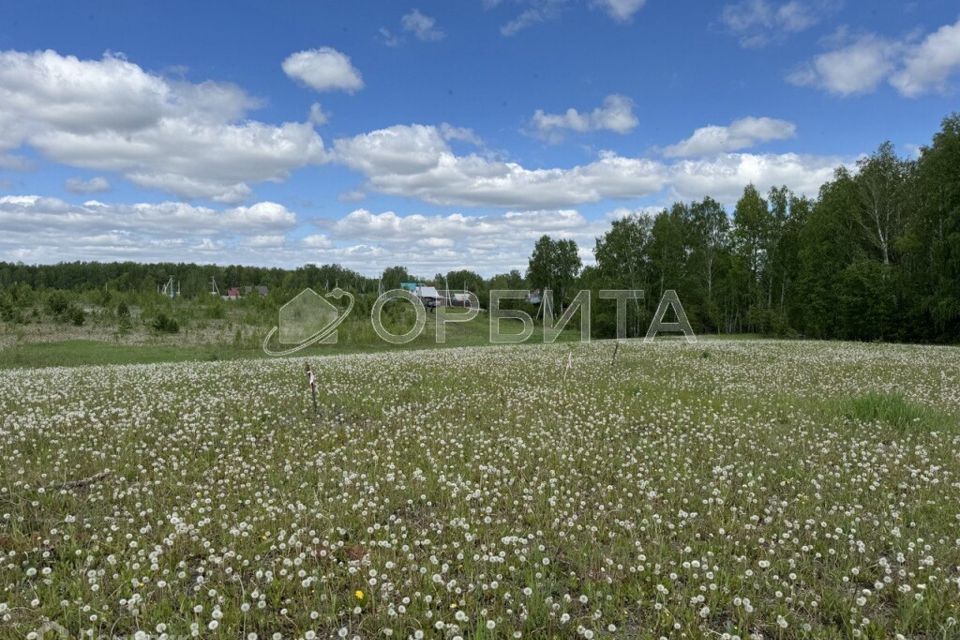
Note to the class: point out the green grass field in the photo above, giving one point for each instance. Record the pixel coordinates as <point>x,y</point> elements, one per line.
<point>726,489</point>
<point>354,337</point>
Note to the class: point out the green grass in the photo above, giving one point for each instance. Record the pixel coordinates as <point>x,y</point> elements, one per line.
<point>72,353</point>
<point>774,488</point>
<point>893,410</point>
<point>353,337</point>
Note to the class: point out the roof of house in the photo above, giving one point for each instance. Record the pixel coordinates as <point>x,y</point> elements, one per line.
<point>424,291</point>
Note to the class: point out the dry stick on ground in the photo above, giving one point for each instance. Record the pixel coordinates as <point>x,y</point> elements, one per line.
<point>568,367</point>
<point>83,482</point>
<point>616,348</point>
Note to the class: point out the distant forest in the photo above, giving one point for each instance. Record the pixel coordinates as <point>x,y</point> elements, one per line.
<point>875,257</point>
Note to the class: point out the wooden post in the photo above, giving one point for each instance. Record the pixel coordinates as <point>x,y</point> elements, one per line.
<point>312,382</point>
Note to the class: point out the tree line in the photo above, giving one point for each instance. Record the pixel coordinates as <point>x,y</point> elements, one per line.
<point>876,256</point>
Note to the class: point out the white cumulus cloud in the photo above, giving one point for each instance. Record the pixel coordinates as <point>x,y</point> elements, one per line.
<point>928,65</point>
<point>423,27</point>
<point>42,229</point>
<point>759,22</point>
<point>192,140</point>
<point>317,115</point>
<point>439,243</point>
<point>739,134</point>
<point>415,161</point>
<point>615,114</point>
<point>97,184</point>
<point>323,69</point>
<point>724,177</point>
<point>621,10</point>
<point>537,11</point>
<point>911,66</point>
<point>856,68</point>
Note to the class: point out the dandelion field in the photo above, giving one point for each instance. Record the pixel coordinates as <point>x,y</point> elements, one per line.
<point>726,489</point>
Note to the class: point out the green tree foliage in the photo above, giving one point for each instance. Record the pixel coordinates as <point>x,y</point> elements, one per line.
<point>394,276</point>
<point>554,265</point>
<point>623,262</point>
<point>465,279</point>
<point>76,315</point>
<point>165,324</point>
<point>875,257</point>
<point>512,280</point>
<point>107,279</point>
<point>57,304</point>
<point>929,249</point>
<point>709,257</point>
<point>8,309</point>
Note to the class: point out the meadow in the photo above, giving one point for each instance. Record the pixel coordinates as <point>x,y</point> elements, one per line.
<point>237,335</point>
<point>728,489</point>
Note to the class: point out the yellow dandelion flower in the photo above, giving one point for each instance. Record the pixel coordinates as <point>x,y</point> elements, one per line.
<point>358,594</point>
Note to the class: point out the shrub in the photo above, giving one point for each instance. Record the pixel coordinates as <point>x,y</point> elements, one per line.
<point>76,316</point>
<point>9,311</point>
<point>124,326</point>
<point>57,304</point>
<point>165,324</point>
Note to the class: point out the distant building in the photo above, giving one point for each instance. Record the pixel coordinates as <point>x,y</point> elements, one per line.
<point>534,296</point>
<point>429,296</point>
<point>460,299</point>
<point>235,293</point>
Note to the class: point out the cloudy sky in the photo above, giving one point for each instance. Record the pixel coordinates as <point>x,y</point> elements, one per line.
<point>437,135</point>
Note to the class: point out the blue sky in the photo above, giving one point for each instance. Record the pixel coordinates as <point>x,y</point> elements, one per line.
<point>434,134</point>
